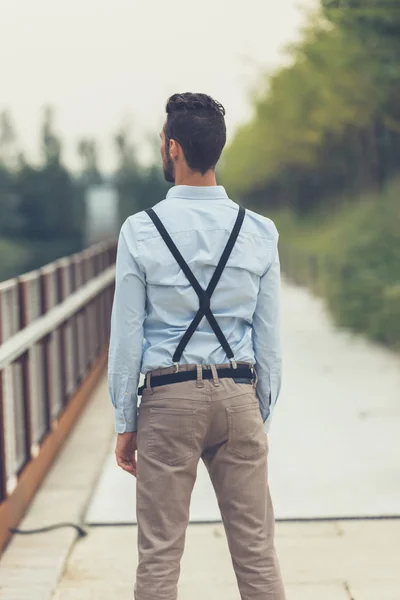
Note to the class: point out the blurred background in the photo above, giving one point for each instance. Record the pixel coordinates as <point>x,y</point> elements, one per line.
<point>83,93</point>
<point>321,154</point>
<point>311,90</point>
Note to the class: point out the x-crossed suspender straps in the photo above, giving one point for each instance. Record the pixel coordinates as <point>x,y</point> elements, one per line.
<point>204,295</point>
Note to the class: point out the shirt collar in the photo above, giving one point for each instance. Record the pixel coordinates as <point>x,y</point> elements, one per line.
<point>190,192</point>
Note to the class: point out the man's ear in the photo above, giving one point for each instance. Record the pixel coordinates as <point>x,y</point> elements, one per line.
<point>175,149</point>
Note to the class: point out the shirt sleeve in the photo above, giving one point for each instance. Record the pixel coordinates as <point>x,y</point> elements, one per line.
<point>266,340</point>
<point>126,341</point>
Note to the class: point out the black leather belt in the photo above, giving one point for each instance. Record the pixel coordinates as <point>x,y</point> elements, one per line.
<point>242,373</point>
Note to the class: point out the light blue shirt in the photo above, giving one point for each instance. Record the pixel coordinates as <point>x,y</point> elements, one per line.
<point>154,303</point>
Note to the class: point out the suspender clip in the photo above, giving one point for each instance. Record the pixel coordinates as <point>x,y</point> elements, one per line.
<point>233,363</point>
<point>176,365</point>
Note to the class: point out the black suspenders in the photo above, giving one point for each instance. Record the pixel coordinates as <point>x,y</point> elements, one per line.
<point>204,295</point>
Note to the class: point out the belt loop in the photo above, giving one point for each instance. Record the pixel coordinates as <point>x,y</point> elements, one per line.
<point>255,376</point>
<point>148,382</point>
<point>200,382</point>
<point>215,375</point>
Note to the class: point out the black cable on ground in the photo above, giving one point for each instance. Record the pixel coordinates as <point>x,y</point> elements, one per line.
<point>78,528</point>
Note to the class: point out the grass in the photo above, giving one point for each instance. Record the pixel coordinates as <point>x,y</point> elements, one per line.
<point>350,257</point>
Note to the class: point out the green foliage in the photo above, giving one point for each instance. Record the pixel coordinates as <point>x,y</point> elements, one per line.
<point>48,202</point>
<point>13,257</point>
<point>88,152</point>
<point>353,260</point>
<point>329,122</point>
<point>51,144</point>
<point>138,187</point>
<point>319,152</point>
<point>41,206</point>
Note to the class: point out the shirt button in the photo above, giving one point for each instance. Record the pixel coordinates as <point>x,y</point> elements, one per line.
<point>125,394</point>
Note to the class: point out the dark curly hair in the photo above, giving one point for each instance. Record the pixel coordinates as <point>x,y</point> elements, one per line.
<point>196,122</point>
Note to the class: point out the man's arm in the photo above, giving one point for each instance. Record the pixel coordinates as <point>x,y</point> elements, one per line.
<point>126,342</point>
<point>266,340</point>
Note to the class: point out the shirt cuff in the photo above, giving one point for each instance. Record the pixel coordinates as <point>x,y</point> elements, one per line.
<point>272,400</point>
<point>125,419</point>
<point>267,423</point>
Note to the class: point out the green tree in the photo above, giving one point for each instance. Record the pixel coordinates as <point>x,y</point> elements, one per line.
<point>138,187</point>
<point>330,121</point>
<point>49,204</point>
<point>127,174</point>
<point>8,142</point>
<point>9,213</point>
<point>88,153</point>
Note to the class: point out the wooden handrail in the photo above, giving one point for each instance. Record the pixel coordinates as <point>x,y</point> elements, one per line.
<point>54,330</point>
<point>19,343</point>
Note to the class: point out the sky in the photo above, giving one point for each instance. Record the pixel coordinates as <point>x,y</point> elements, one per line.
<point>102,63</point>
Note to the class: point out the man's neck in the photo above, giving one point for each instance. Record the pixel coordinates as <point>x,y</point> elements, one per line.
<point>197,179</point>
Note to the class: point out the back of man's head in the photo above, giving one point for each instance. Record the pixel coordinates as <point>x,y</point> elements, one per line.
<point>197,123</point>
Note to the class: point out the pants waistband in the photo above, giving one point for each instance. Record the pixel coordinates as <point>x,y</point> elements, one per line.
<point>174,369</point>
<point>200,373</point>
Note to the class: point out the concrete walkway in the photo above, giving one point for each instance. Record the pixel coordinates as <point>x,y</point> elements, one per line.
<point>329,560</point>
<point>333,435</point>
<point>333,560</point>
<point>320,561</point>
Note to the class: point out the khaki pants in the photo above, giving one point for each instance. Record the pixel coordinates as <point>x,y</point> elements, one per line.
<point>219,422</point>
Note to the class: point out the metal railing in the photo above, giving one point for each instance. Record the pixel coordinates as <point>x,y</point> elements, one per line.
<point>54,326</point>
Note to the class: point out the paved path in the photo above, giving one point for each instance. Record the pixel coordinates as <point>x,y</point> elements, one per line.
<point>320,561</point>
<point>334,435</point>
<point>336,431</point>
<point>333,560</point>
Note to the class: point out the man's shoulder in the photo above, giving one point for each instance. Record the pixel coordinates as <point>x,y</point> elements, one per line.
<point>140,224</point>
<point>261,225</point>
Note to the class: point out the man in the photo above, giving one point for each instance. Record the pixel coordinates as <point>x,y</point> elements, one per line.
<point>196,309</point>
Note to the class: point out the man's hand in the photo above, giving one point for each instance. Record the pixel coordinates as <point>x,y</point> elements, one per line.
<point>125,452</point>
